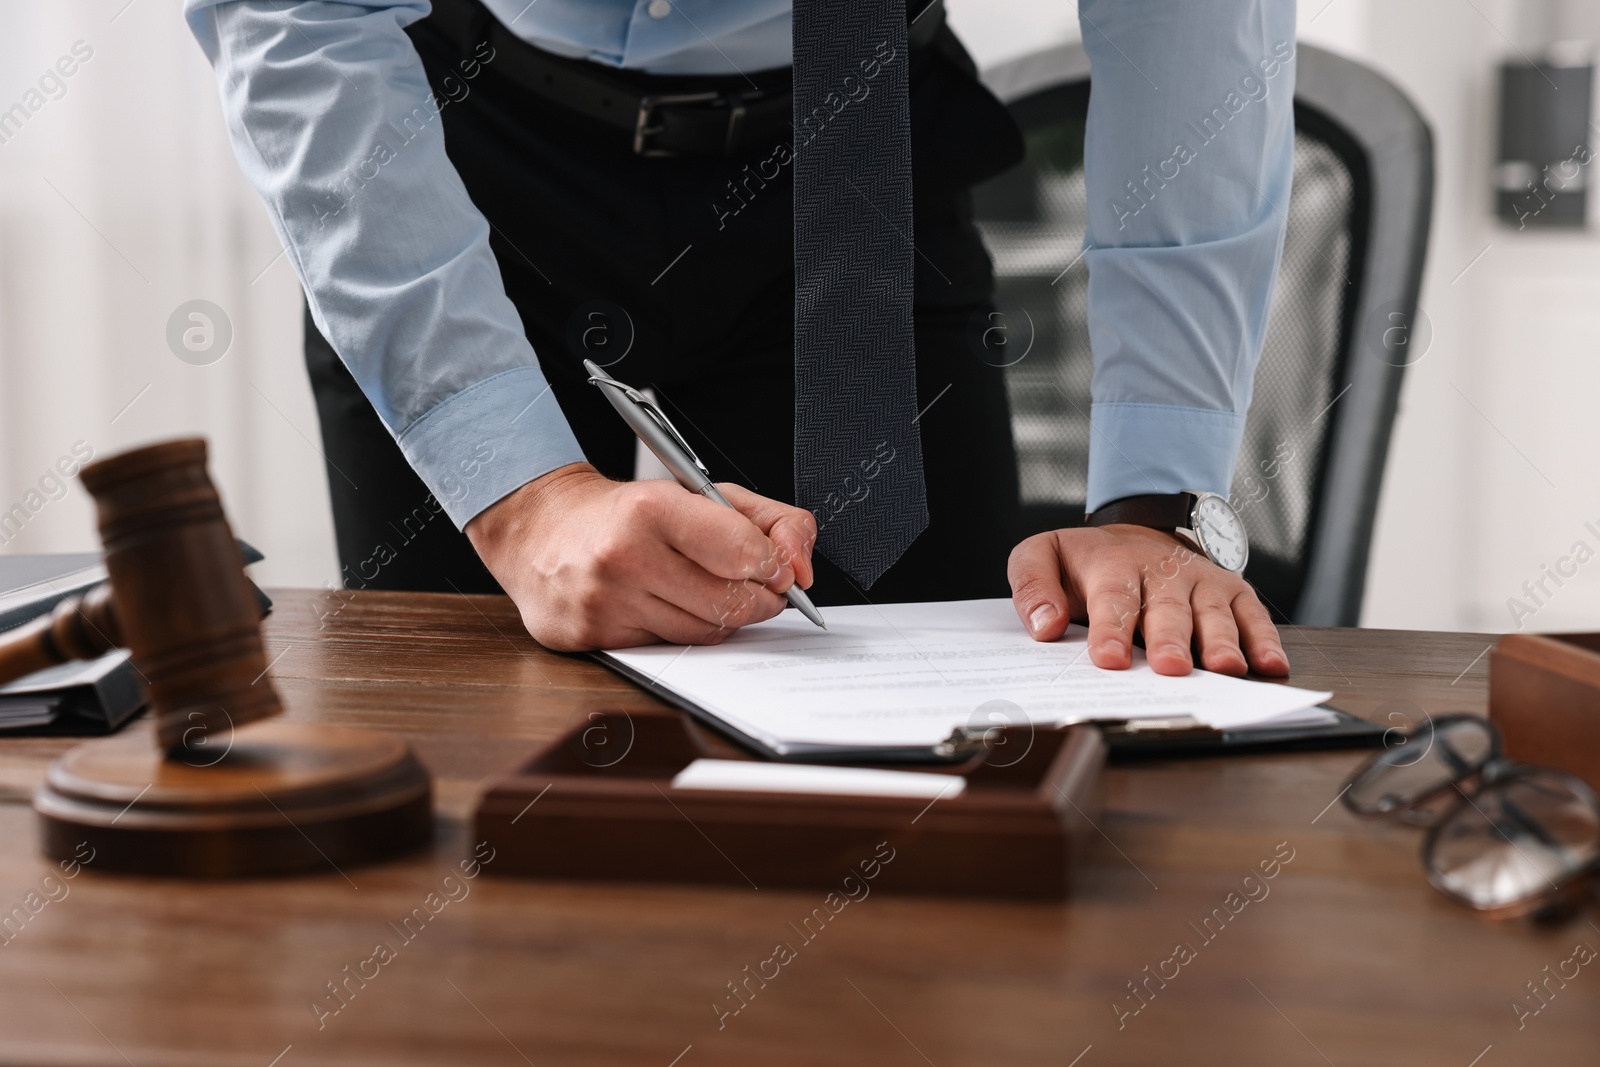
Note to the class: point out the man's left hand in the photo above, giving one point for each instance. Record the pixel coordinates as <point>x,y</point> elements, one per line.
<point>1121,578</point>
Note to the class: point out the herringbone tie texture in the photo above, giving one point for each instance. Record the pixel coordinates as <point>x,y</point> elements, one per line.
<point>857,449</point>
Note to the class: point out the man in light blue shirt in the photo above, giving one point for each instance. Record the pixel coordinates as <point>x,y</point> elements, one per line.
<point>424,263</point>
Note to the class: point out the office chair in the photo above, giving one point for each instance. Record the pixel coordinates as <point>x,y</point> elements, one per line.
<point>1339,336</point>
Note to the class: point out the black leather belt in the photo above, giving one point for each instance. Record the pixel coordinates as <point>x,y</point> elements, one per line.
<point>667,116</point>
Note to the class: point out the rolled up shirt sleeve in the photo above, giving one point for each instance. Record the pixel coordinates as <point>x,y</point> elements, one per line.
<point>1188,162</point>
<point>333,122</point>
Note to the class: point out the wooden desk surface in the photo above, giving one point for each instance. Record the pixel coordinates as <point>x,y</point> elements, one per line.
<point>1349,959</point>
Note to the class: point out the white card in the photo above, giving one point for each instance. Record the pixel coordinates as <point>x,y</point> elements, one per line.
<point>756,776</point>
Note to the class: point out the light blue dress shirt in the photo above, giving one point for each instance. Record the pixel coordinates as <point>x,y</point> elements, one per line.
<point>1182,245</point>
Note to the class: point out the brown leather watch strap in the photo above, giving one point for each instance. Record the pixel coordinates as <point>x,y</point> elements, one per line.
<point>1159,511</point>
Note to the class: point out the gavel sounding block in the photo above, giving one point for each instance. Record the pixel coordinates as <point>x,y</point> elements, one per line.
<point>598,804</point>
<point>274,798</point>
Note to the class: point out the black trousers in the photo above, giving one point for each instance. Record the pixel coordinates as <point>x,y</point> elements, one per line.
<point>686,266</point>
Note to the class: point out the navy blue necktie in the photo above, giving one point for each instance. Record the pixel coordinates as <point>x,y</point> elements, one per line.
<point>857,449</point>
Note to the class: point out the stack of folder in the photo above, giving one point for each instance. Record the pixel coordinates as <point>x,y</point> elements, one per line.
<point>89,697</point>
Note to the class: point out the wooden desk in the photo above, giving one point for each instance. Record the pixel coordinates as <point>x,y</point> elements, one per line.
<point>1350,958</point>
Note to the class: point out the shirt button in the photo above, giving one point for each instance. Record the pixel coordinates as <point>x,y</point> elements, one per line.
<point>659,9</point>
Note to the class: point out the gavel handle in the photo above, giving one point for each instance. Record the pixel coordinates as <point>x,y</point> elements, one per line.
<point>80,627</point>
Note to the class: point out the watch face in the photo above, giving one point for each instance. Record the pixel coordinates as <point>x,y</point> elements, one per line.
<point>1220,532</point>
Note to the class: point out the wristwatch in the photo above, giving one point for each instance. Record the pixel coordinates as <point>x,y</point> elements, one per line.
<point>1205,520</point>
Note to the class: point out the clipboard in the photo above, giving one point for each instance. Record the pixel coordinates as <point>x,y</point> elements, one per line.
<point>1126,739</point>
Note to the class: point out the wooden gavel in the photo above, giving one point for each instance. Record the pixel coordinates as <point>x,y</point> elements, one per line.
<point>177,598</point>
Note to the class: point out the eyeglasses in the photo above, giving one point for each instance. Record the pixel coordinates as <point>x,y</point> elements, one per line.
<point>1503,837</point>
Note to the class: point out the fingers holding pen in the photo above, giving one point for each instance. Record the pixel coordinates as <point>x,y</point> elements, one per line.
<point>792,530</point>
<point>722,541</point>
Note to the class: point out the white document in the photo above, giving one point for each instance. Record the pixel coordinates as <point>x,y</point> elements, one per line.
<point>760,776</point>
<point>896,675</point>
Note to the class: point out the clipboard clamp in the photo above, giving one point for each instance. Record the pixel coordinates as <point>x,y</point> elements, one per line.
<point>963,741</point>
<point>1173,728</point>
<point>966,741</point>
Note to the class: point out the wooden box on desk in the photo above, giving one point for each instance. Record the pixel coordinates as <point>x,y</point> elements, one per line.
<point>598,804</point>
<point>1544,694</point>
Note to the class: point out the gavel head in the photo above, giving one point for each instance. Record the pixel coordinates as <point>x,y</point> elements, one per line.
<point>185,609</point>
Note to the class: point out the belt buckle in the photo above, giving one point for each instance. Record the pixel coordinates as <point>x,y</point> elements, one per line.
<point>644,129</point>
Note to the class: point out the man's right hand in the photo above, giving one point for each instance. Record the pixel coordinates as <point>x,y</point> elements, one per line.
<point>593,563</point>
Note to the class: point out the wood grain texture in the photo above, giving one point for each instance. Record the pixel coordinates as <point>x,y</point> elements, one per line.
<point>1544,694</point>
<point>1348,959</point>
<point>607,810</point>
<point>270,798</point>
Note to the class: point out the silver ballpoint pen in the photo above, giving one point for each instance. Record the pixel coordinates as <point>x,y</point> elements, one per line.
<point>662,438</point>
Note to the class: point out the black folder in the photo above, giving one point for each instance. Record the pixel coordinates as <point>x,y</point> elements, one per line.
<point>87,697</point>
<point>1162,739</point>
<point>33,583</point>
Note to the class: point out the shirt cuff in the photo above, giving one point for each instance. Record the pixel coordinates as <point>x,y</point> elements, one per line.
<point>1159,448</point>
<point>488,441</point>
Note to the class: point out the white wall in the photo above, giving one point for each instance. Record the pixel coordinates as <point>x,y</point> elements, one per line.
<point>1492,472</point>
<point>120,201</point>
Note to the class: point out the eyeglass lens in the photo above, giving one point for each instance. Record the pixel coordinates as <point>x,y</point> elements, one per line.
<point>1425,760</point>
<point>1518,839</point>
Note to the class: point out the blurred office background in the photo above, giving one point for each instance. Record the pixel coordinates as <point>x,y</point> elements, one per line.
<point>120,201</point>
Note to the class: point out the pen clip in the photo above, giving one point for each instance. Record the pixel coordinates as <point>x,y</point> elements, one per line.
<point>656,415</point>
